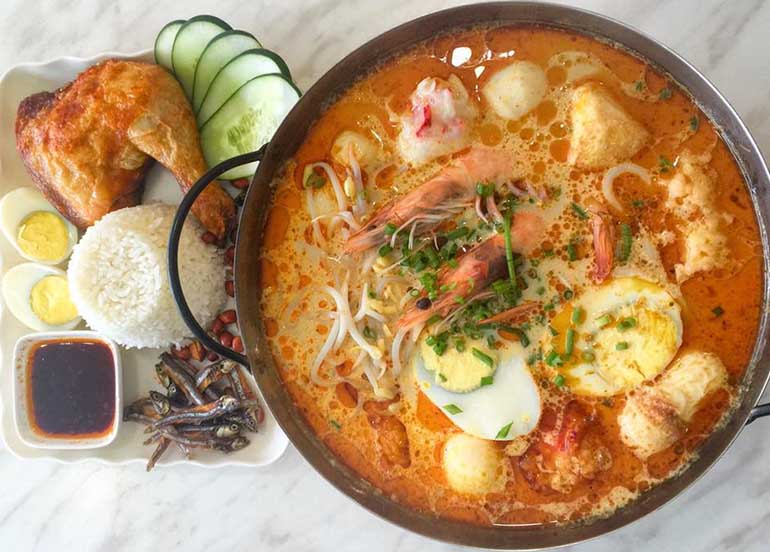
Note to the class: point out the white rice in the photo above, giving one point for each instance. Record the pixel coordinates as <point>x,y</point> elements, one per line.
<point>118,277</point>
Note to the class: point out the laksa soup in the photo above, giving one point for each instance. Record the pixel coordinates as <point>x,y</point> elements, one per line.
<point>512,276</point>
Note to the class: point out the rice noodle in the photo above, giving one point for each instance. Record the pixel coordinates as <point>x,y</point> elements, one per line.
<point>362,306</point>
<point>411,235</point>
<point>395,350</point>
<point>343,308</point>
<point>317,235</point>
<point>608,182</point>
<point>359,207</point>
<point>492,208</point>
<point>342,203</point>
<point>325,349</point>
<point>478,210</point>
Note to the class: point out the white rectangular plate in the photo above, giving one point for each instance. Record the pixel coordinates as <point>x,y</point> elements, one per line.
<point>138,365</point>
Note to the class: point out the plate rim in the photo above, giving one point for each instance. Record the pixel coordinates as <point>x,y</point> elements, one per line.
<point>6,409</point>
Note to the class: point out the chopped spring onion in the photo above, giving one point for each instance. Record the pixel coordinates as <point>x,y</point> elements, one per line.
<point>626,324</point>
<point>313,179</point>
<point>384,250</point>
<point>559,381</point>
<point>571,251</point>
<point>579,211</point>
<point>452,263</point>
<point>665,164</point>
<point>503,433</point>
<point>483,357</point>
<point>621,345</point>
<point>414,292</point>
<point>430,340</point>
<point>440,348</point>
<point>540,290</point>
<point>442,377</point>
<point>509,247</point>
<point>372,294</point>
<point>603,320</point>
<point>718,311</point>
<point>459,344</point>
<point>625,242</point>
<point>433,319</point>
<point>335,424</point>
<point>368,333</point>
<point>553,359</point>
<point>390,229</point>
<point>577,313</point>
<point>569,343</point>
<point>568,294</point>
<point>487,380</point>
<point>665,93</point>
<point>694,123</point>
<point>554,331</point>
<point>588,356</point>
<point>459,299</point>
<point>453,408</point>
<point>458,233</point>
<point>485,190</point>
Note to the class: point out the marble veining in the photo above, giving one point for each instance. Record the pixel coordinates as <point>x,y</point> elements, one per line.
<point>287,506</point>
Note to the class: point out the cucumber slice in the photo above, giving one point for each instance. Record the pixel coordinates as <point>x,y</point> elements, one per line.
<point>247,121</point>
<point>190,41</point>
<point>164,42</point>
<point>235,74</point>
<point>218,52</point>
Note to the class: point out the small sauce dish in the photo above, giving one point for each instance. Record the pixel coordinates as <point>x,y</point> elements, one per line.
<point>67,390</point>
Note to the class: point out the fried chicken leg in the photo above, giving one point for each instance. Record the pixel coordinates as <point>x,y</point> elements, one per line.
<point>89,145</point>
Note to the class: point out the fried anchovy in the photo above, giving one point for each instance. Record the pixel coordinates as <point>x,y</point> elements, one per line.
<point>218,429</point>
<point>160,402</point>
<point>197,414</point>
<point>204,441</point>
<point>213,373</point>
<point>159,450</point>
<point>176,370</point>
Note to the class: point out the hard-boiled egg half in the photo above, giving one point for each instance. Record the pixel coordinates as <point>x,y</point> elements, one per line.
<point>613,337</point>
<point>486,392</point>
<point>38,296</point>
<point>35,228</point>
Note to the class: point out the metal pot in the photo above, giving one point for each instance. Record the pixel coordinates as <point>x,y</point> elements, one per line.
<point>286,142</point>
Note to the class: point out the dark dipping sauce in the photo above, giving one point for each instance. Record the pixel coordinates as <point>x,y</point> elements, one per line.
<point>71,388</point>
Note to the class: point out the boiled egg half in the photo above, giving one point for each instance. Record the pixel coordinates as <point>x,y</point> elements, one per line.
<point>38,296</point>
<point>35,228</point>
<point>613,337</point>
<point>488,393</point>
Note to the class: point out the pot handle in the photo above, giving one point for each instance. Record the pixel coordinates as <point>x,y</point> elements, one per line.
<point>759,411</point>
<point>173,253</point>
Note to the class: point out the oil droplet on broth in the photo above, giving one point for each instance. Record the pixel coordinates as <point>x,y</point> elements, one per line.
<point>490,134</point>
<point>559,150</point>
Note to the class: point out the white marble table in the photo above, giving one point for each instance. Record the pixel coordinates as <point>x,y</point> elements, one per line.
<point>287,506</point>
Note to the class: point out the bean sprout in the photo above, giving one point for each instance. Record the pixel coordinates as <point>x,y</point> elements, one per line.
<point>608,189</point>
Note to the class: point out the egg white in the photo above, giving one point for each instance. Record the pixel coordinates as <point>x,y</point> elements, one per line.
<point>513,397</point>
<point>17,290</point>
<point>16,206</point>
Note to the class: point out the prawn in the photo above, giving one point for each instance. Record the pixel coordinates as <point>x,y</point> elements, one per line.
<point>477,269</point>
<point>446,194</point>
<point>604,244</point>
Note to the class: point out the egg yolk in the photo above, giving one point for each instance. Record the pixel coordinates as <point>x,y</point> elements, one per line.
<point>50,301</point>
<point>43,236</point>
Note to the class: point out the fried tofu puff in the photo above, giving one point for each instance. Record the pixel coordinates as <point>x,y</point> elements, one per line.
<point>516,90</point>
<point>655,417</point>
<point>603,134</point>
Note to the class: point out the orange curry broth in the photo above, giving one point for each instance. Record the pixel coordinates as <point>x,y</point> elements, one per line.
<point>730,335</point>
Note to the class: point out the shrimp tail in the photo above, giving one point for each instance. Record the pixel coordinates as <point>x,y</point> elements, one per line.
<point>604,243</point>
